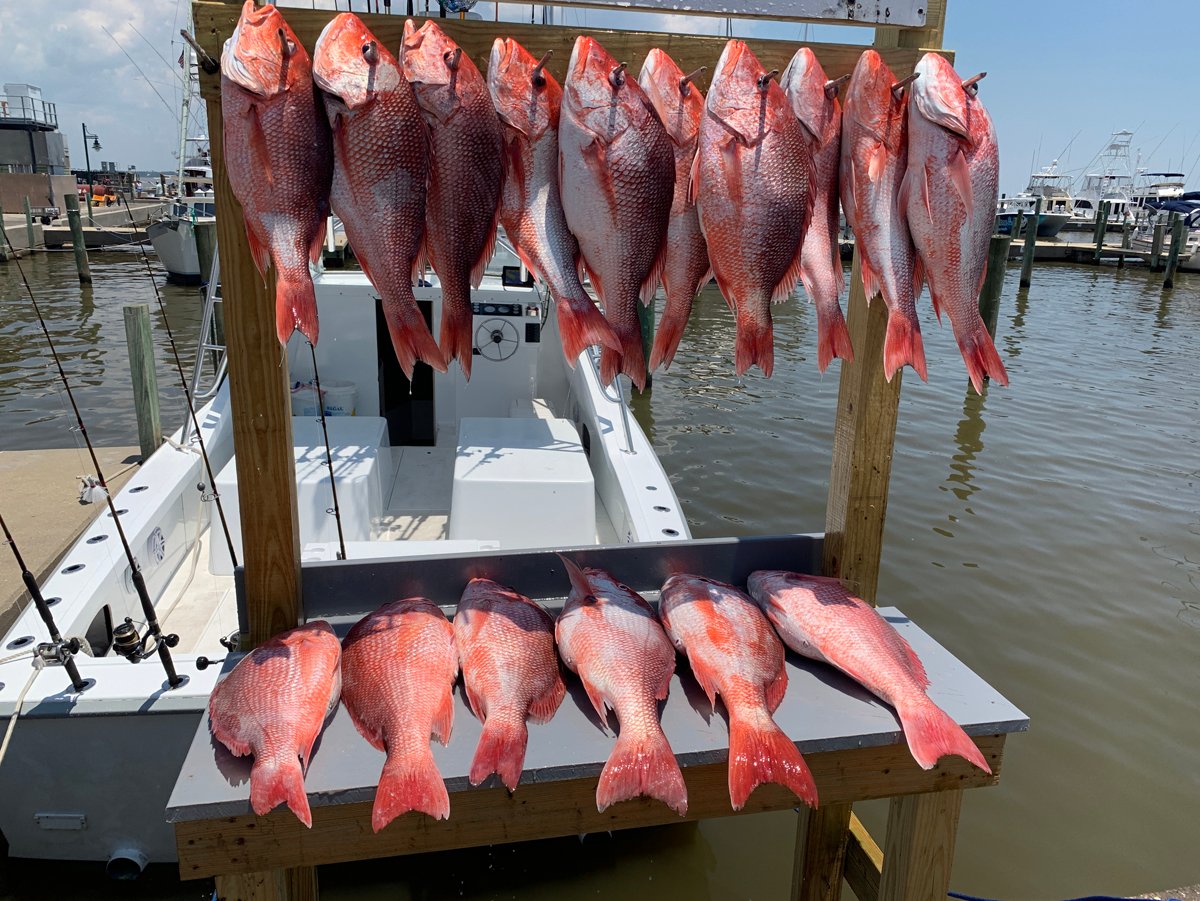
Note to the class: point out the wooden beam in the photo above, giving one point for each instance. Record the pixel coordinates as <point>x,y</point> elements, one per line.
<point>864,862</point>
<point>931,37</point>
<point>919,852</point>
<point>214,22</point>
<point>820,852</point>
<point>485,816</point>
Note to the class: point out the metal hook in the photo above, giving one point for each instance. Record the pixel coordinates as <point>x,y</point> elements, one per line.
<point>370,53</point>
<point>765,79</point>
<point>972,83</point>
<point>452,57</point>
<point>538,78</point>
<point>617,76</point>
<point>899,86</point>
<point>834,85</point>
<point>686,81</point>
<point>207,63</point>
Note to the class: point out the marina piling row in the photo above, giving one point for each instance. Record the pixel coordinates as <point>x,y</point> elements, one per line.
<point>1177,233</point>
<point>1101,228</point>
<point>71,202</point>
<point>145,379</point>
<point>1156,246</point>
<point>993,282</point>
<point>1030,246</point>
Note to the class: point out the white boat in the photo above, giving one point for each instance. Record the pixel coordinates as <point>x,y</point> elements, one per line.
<point>1111,181</point>
<point>1159,211</point>
<point>529,454</point>
<point>1054,189</point>
<point>174,234</point>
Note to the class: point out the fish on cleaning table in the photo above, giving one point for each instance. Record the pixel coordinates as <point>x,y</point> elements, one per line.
<point>510,670</point>
<point>380,169</point>
<point>528,100</point>
<point>734,653</point>
<point>680,105</point>
<point>278,158</point>
<point>949,192</point>
<point>874,158</point>
<point>465,176</point>
<point>273,705</point>
<point>814,100</point>
<point>818,618</point>
<point>611,637</point>
<point>617,177</point>
<point>398,669</point>
<point>752,181</point>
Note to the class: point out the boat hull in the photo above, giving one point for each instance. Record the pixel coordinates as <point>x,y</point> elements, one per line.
<point>174,241</point>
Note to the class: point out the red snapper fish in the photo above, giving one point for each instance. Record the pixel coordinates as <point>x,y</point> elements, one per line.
<point>379,174</point>
<point>273,705</point>
<point>736,654</point>
<point>510,671</point>
<point>528,100</point>
<point>949,193</point>
<point>752,181</point>
<point>874,157</point>
<point>680,105</point>
<point>616,176</point>
<point>278,158</point>
<point>818,618</point>
<point>398,667</point>
<point>814,100</point>
<point>611,637</point>
<point>465,176</point>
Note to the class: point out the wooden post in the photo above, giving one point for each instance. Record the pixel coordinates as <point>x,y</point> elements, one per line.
<point>1101,227</point>
<point>145,379</point>
<point>1017,223</point>
<point>206,245</point>
<point>993,282</point>
<point>919,851</point>
<point>29,235</point>
<point>1156,246</point>
<point>646,319</point>
<point>1030,245</point>
<point>77,241</point>
<point>1177,233</point>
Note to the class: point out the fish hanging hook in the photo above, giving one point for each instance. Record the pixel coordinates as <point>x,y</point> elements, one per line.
<point>538,77</point>
<point>286,44</point>
<point>685,83</point>
<point>452,57</point>
<point>899,86</point>
<point>834,85</point>
<point>370,52</point>
<point>764,80</point>
<point>972,83</point>
<point>617,76</point>
<point>207,63</point>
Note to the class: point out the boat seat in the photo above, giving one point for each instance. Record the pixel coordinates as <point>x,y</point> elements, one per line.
<point>524,482</point>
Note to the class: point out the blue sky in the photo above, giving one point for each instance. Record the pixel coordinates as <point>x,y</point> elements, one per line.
<point>1056,68</point>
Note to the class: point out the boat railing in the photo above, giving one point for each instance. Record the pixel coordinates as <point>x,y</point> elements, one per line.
<point>211,341</point>
<point>613,394</point>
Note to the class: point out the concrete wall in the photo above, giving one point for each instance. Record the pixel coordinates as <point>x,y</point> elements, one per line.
<point>15,186</point>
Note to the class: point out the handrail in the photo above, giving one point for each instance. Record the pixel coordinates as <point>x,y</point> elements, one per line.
<point>593,354</point>
<point>212,297</point>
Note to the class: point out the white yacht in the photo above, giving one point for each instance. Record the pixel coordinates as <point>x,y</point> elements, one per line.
<point>1187,206</point>
<point>531,453</point>
<point>1054,188</point>
<point>174,234</point>
<point>1111,180</point>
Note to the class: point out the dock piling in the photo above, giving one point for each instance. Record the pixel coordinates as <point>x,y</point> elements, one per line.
<point>77,242</point>
<point>1177,233</point>
<point>145,379</point>
<point>1101,228</point>
<point>1156,245</point>
<point>646,320</point>
<point>993,282</point>
<point>1126,242</point>
<point>29,234</point>
<point>206,243</point>
<point>1030,246</point>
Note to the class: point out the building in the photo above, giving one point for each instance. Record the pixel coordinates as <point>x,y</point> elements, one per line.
<point>33,152</point>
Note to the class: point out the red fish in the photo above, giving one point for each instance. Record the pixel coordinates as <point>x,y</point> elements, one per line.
<point>399,667</point>
<point>617,175</point>
<point>818,618</point>
<point>949,193</point>
<point>510,671</point>
<point>874,157</point>
<point>273,705</point>
<point>814,100</point>
<point>680,105</point>
<point>465,177</point>
<point>380,169</point>
<point>528,100</point>
<point>752,180</point>
<point>610,636</point>
<point>736,654</point>
<point>278,158</point>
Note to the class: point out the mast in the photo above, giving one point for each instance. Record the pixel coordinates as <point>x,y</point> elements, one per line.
<point>184,109</point>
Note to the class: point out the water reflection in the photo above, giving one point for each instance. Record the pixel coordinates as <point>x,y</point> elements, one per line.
<point>968,438</point>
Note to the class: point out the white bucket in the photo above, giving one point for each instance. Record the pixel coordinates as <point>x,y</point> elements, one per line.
<point>340,398</point>
<point>304,400</point>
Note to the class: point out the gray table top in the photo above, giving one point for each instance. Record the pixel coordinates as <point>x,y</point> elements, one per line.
<point>822,711</point>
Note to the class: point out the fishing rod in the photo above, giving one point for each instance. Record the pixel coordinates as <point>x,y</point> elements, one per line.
<point>126,640</point>
<point>337,510</point>
<point>58,649</point>
<point>187,393</point>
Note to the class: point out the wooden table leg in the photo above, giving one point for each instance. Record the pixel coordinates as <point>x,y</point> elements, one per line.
<point>295,884</point>
<point>820,859</point>
<point>919,849</point>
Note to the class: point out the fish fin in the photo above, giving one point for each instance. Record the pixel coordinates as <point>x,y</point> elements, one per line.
<point>455,336</point>
<point>581,324</point>
<point>693,191</point>
<point>668,335</point>
<point>931,734</point>
<point>489,250</point>
<point>755,343</point>
<point>846,190</point>
<point>706,677</point>
<point>776,689</point>
<point>876,161</point>
<point>630,361</point>
<point>979,353</point>
<point>902,344</point>
<point>409,782</point>
<point>579,579</point>
<point>935,299</point>
<point>918,277</point>
<point>960,178</point>
<point>476,702</point>
<point>295,305</point>
<point>833,339</point>
<point>411,338</point>
<point>543,708</point>
<point>443,717</point>
<point>787,284</point>
<point>869,279</point>
<point>259,250</point>
<point>597,699</point>
<point>501,750</point>
<point>586,271</point>
<point>915,187</point>
<point>759,752</point>
<point>649,285</point>
<point>642,765</point>
<point>276,779</point>
<point>259,147</point>
<point>317,245</point>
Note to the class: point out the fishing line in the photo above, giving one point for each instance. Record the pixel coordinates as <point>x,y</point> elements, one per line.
<point>128,644</point>
<point>337,511</point>
<point>187,393</point>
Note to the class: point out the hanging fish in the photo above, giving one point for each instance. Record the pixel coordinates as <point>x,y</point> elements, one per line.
<point>465,176</point>
<point>380,170</point>
<point>277,157</point>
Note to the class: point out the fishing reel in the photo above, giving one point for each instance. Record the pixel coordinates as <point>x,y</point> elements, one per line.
<point>135,647</point>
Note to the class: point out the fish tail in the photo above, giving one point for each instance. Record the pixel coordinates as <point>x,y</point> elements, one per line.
<point>501,750</point>
<point>630,360</point>
<point>833,338</point>
<point>455,339</point>
<point>409,782</point>
<point>932,734</point>
<point>903,345</point>
<point>580,324</point>
<point>755,341</point>
<point>979,353</point>
<point>411,339</point>
<point>642,765</point>
<point>759,752</point>
<point>669,334</point>
<point>295,305</point>
<point>277,779</point>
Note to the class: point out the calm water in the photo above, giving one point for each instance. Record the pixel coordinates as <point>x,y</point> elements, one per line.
<point>1048,533</point>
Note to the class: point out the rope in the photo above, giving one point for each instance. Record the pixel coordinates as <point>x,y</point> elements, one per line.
<point>38,666</point>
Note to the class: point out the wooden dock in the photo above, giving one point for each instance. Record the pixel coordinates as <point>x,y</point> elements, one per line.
<point>1050,250</point>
